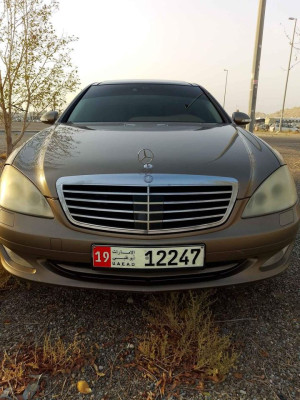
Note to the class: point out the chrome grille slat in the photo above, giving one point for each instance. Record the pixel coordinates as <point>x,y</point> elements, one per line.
<point>106,210</point>
<point>143,194</point>
<point>144,221</point>
<point>193,202</point>
<point>105,218</point>
<point>189,210</point>
<point>146,212</point>
<point>116,219</point>
<point>115,193</point>
<point>125,203</point>
<point>145,202</point>
<point>191,219</point>
<point>187,193</point>
<point>104,201</point>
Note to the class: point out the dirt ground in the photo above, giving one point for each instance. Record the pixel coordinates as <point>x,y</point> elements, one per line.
<point>33,126</point>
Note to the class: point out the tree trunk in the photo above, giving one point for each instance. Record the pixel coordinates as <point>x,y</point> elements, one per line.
<point>9,143</point>
<point>24,124</point>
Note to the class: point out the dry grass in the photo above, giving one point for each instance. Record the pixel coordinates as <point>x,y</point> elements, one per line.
<point>53,357</point>
<point>294,165</point>
<point>182,344</point>
<point>5,278</point>
<point>8,281</point>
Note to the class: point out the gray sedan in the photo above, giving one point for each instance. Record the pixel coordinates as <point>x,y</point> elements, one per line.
<point>146,186</point>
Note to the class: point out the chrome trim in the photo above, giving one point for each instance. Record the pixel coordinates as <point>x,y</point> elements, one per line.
<point>107,201</point>
<point>186,210</point>
<point>106,218</point>
<point>147,211</point>
<point>132,180</point>
<point>148,208</point>
<point>187,193</point>
<point>146,220</point>
<point>107,210</point>
<point>145,202</point>
<point>119,193</point>
<point>138,180</point>
<point>192,202</point>
<point>144,194</point>
<point>191,219</point>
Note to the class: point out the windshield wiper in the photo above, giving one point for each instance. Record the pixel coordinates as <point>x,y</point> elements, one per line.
<point>189,105</point>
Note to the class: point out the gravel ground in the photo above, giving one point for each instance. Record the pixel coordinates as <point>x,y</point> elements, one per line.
<point>263,319</point>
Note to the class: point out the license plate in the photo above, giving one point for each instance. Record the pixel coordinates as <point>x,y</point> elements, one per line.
<point>145,257</point>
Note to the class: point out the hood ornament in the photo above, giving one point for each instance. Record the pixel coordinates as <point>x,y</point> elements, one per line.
<point>145,156</point>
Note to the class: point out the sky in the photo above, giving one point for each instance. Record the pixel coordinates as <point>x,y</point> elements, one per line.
<point>190,40</point>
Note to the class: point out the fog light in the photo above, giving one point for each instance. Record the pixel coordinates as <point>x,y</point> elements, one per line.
<point>274,259</point>
<point>19,260</point>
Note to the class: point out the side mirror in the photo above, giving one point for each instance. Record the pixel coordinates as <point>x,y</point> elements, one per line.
<point>49,117</point>
<point>241,118</point>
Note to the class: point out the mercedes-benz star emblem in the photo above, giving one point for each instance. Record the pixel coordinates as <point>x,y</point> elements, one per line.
<point>145,156</point>
<point>148,178</point>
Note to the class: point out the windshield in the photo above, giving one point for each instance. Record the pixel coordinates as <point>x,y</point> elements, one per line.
<point>144,103</point>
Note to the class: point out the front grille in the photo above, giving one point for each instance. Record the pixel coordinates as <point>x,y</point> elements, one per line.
<point>147,208</point>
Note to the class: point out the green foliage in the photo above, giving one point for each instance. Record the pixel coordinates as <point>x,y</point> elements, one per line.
<point>36,70</point>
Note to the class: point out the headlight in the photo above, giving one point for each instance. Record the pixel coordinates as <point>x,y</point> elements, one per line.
<point>276,193</point>
<point>18,193</point>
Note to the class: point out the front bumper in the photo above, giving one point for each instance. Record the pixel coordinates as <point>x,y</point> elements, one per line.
<point>56,252</point>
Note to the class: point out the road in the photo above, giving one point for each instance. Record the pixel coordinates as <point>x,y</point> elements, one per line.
<point>285,143</point>
<point>289,147</point>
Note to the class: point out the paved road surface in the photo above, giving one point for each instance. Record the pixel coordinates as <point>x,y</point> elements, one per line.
<point>289,148</point>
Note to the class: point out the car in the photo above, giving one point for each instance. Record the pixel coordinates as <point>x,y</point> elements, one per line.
<point>146,186</point>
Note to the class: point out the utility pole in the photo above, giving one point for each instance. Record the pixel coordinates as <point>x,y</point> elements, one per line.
<point>288,73</point>
<point>226,70</point>
<point>256,62</point>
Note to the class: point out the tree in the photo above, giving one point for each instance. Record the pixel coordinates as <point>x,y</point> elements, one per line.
<point>36,70</point>
<point>296,44</point>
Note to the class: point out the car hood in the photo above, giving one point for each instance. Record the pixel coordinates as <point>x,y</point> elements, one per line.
<point>215,150</point>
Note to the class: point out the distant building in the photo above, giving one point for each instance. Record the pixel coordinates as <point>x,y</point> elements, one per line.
<point>287,122</point>
<point>17,117</point>
<point>272,124</point>
<point>33,116</point>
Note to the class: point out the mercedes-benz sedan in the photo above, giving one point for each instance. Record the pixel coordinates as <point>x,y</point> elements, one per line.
<point>146,186</point>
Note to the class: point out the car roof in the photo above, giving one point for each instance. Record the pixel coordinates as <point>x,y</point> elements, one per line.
<point>153,81</point>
